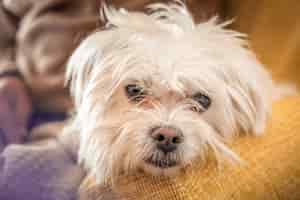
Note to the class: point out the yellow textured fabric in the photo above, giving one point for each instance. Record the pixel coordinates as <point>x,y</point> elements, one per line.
<point>272,163</point>
<point>271,168</point>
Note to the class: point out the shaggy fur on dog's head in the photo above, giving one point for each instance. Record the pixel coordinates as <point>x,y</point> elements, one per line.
<point>171,59</point>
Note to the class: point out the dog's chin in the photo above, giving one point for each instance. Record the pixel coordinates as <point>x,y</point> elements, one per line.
<point>161,168</point>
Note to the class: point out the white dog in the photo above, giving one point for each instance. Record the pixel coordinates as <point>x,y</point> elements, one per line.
<point>155,91</point>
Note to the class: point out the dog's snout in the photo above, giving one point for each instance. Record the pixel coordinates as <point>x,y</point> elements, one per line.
<point>167,138</point>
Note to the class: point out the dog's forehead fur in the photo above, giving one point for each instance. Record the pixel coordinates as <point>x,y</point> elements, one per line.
<point>144,45</point>
<point>161,37</point>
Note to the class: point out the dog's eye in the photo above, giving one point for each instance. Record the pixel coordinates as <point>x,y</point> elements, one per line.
<point>135,92</point>
<point>203,100</point>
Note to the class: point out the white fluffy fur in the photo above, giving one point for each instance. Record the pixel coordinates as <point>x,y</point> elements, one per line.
<point>171,56</point>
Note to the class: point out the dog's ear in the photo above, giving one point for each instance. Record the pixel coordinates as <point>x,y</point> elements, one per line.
<point>85,62</point>
<point>248,85</point>
<point>250,92</point>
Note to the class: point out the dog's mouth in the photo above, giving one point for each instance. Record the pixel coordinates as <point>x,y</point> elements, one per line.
<point>162,163</point>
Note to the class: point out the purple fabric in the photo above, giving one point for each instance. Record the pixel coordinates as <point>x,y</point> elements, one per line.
<point>42,171</point>
<point>38,118</point>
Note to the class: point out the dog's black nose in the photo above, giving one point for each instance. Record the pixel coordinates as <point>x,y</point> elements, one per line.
<point>167,138</point>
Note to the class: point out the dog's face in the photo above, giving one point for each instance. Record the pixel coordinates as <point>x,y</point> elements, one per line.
<point>155,92</point>
<point>162,126</point>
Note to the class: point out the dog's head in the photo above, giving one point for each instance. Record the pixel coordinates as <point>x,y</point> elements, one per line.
<point>155,91</point>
